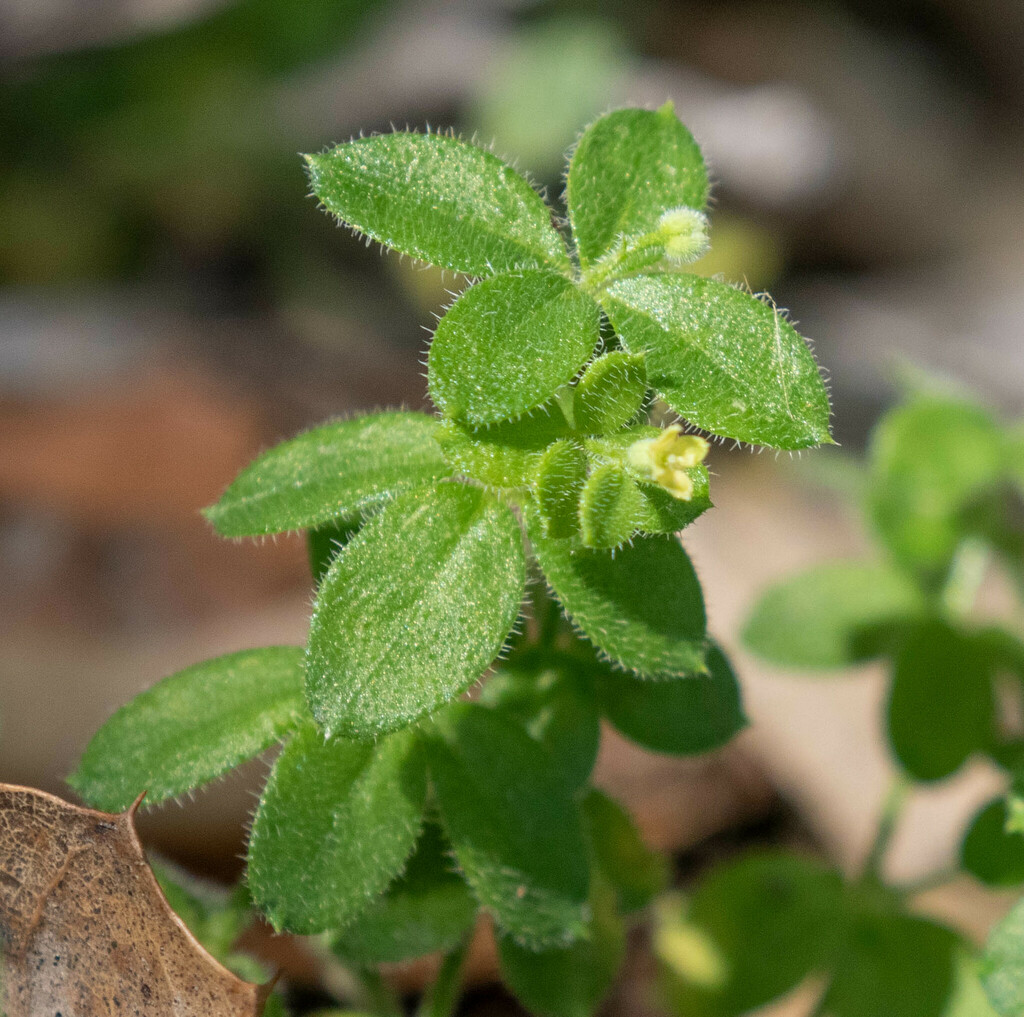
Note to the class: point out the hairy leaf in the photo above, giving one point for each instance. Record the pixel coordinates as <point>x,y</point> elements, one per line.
<point>628,169</point>
<point>571,981</point>
<point>512,821</point>
<point>324,542</point>
<point>641,606</point>
<point>506,454</point>
<point>636,873</point>
<point>610,393</point>
<point>508,343</point>
<point>941,707</point>
<point>611,508</point>
<point>329,473</point>
<point>193,726</point>
<point>84,928</point>
<point>989,851</point>
<point>722,359</point>
<point>439,199</point>
<point>830,615</point>
<point>561,474</point>
<point>427,909</point>
<point>335,825</point>
<point>414,609</point>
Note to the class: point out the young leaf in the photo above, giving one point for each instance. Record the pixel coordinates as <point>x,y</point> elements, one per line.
<point>680,716</point>
<point>827,617</point>
<point>561,474</point>
<point>504,455</point>
<point>334,827</point>
<point>508,343</point>
<point>610,393</point>
<point>989,851</point>
<point>427,909</point>
<point>637,873</point>
<point>892,963</point>
<point>929,459</point>
<point>512,821</point>
<point>192,727</point>
<point>439,199</point>
<point>1002,968</point>
<point>571,981</point>
<point>722,359</point>
<point>764,923</point>
<point>330,473</point>
<point>941,707</point>
<point>628,169</point>
<point>641,606</point>
<point>611,508</point>
<point>414,609</point>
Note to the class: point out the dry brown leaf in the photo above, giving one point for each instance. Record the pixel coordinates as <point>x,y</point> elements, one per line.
<point>85,930</point>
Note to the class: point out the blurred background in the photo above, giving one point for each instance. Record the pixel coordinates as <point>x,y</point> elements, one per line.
<point>172,302</point>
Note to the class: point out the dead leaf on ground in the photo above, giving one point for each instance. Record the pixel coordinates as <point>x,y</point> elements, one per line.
<point>84,928</point>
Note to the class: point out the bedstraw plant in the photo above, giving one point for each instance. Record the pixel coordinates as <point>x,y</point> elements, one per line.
<point>520,543</point>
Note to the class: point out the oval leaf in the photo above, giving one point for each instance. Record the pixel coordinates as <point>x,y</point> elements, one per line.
<point>508,343</point>
<point>990,852</point>
<point>941,707</point>
<point>192,727</point>
<point>610,393</point>
<point>641,606</point>
<point>681,716</point>
<point>830,616</point>
<point>561,474</point>
<point>414,609</point>
<point>611,508</point>
<point>439,199</point>
<point>512,821</point>
<point>335,825</point>
<point>330,473</point>
<point>722,359</point>
<point>629,168</point>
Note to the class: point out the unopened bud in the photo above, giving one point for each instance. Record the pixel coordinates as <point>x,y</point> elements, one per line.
<point>684,233</point>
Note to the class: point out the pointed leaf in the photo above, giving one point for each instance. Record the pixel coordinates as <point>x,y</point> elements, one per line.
<point>611,508</point>
<point>629,168</point>
<point>989,851</point>
<point>722,359</point>
<point>504,455</point>
<point>439,199</point>
<point>330,473</point>
<point>512,821</point>
<point>561,474</point>
<point>830,615</point>
<point>941,707</point>
<point>414,609</point>
<point>610,393</point>
<point>192,727</point>
<point>681,716</point>
<point>572,981</point>
<point>508,343</point>
<point>427,909</point>
<point>637,873</point>
<point>641,606</point>
<point>335,825</point>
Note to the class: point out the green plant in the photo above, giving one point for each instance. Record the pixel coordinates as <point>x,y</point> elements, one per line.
<point>397,809</point>
<point>941,493</point>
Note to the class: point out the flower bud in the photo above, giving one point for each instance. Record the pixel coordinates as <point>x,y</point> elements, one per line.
<point>684,233</point>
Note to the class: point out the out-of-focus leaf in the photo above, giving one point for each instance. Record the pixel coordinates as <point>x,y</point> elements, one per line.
<point>508,343</point>
<point>827,617</point>
<point>193,726</point>
<point>335,825</point>
<point>330,473</point>
<point>414,609</point>
<point>510,815</point>
<point>941,707</point>
<point>1002,966</point>
<point>989,851</point>
<point>439,199</point>
<point>722,359</point>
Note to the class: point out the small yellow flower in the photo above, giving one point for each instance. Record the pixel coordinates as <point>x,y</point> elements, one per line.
<point>666,459</point>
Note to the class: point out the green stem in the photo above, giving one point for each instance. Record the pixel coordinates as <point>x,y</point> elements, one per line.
<point>895,799</point>
<point>548,615</point>
<point>377,995</point>
<point>441,999</point>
